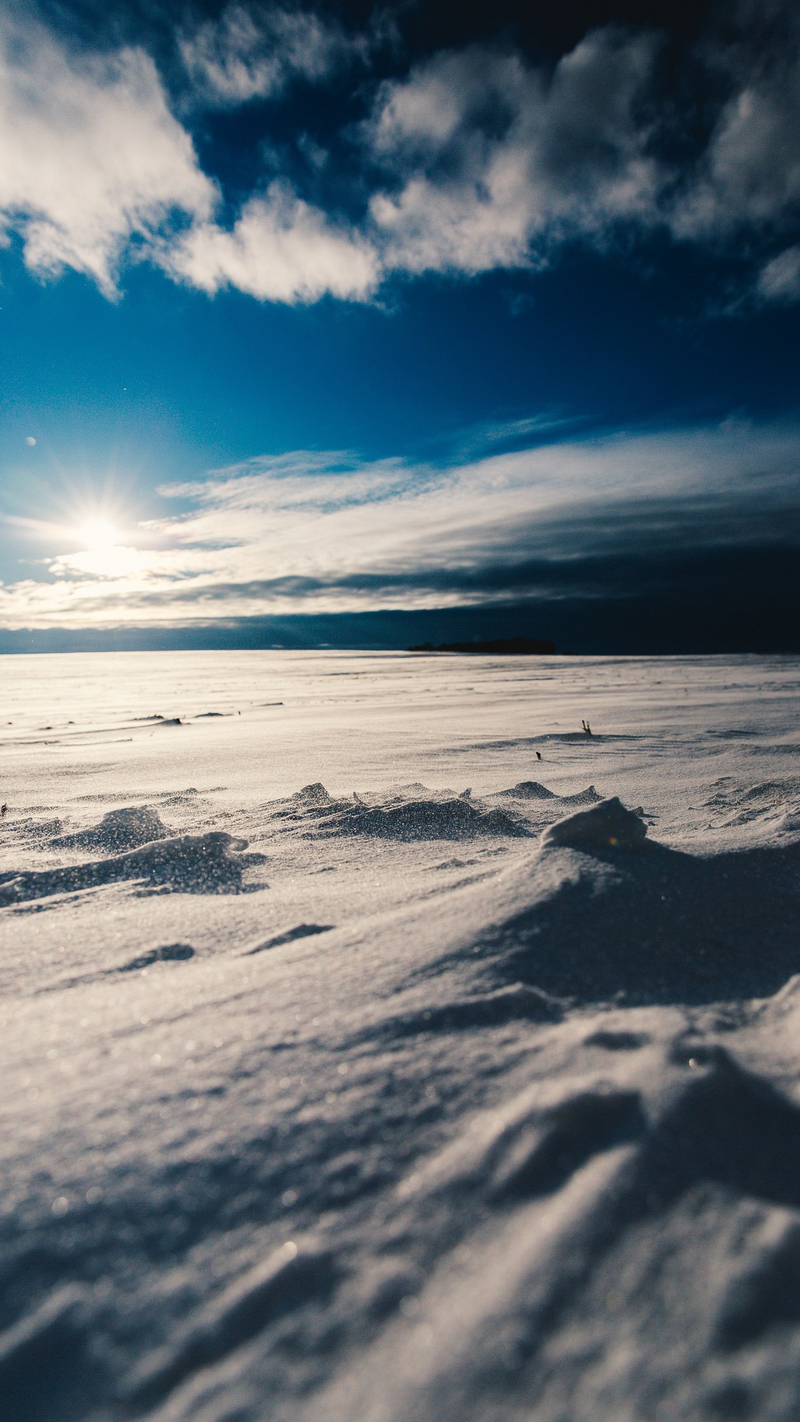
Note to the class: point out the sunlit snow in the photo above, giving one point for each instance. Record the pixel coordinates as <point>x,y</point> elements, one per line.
<point>379,1046</point>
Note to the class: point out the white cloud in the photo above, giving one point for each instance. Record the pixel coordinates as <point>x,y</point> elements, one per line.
<point>489,162</point>
<point>330,533</point>
<point>280,249</point>
<point>496,163</point>
<point>248,54</point>
<point>90,156</point>
<point>92,160</point>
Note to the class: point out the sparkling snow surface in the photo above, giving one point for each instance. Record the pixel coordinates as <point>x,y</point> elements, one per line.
<point>378,1046</point>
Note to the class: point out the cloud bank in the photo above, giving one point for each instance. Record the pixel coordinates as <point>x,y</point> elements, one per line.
<point>329,533</point>
<point>471,160</point>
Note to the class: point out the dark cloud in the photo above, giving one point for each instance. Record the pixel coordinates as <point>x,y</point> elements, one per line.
<point>617,575</point>
<point>711,601</point>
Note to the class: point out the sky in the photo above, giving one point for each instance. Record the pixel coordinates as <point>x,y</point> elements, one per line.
<point>371,324</point>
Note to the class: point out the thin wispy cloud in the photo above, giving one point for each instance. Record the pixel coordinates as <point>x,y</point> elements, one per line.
<point>473,160</point>
<point>779,279</point>
<point>332,533</point>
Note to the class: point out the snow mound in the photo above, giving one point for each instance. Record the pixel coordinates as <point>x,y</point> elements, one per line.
<point>424,819</point>
<point>205,863</point>
<point>534,790</point>
<point>118,830</point>
<point>608,825</point>
<point>27,827</point>
<point>529,1145</point>
<point>589,796</point>
<point>528,790</point>
<point>656,926</point>
<point>768,800</point>
<point>729,1125</point>
<point>311,802</point>
<point>315,794</point>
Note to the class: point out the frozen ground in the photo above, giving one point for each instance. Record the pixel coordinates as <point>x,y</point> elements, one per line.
<point>360,1063</point>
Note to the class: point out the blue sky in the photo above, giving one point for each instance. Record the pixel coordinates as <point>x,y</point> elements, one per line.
<point>364,324</point>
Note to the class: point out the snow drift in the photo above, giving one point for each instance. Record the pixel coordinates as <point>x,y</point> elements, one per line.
<point>412,1103</point>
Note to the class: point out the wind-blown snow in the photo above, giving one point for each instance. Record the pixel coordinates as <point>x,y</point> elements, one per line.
<point>378,1045</point>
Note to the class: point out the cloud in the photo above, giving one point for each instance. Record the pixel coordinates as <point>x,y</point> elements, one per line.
<point>330,533</point>
<point>91,159</point>
<point>279,249</point>
<point>93,166</point>
<point>496,163</point>
<point>779,279</point>
<point>749,174</point>
<point>488,162</point>
<point>474,160</point>
<point>246,54</point>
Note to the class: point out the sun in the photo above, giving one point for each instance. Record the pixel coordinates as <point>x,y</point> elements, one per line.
<point>98,535</point>
<point>103,548</point>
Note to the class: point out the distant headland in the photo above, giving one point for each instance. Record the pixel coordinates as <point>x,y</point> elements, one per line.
<point>502,646</point>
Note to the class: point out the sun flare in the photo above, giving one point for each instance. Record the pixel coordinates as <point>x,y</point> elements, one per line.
<point>98,535</point>
<point>104,550</point>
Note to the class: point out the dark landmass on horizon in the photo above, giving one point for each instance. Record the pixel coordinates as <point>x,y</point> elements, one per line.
<point>632,629</point>
<point>499,646</point>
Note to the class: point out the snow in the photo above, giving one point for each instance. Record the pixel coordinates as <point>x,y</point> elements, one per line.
<point>378,1045</point>
<point>608,825</point>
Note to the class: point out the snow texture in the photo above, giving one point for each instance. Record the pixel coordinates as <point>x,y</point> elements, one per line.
<point>351,1072</point>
